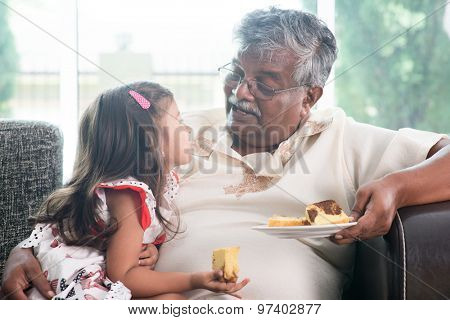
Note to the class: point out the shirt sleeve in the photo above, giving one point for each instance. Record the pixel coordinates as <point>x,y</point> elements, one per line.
<point>372,152</point>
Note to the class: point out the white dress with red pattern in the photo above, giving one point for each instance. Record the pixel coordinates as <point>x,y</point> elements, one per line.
<point>78,273</point>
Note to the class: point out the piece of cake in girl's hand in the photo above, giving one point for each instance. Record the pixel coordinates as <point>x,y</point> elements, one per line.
<point>226,259</point>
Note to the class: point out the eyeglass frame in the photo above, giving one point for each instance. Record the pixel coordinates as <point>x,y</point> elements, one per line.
<point>242,81</point>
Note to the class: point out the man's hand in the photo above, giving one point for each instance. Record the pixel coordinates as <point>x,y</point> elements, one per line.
<point>21,270</point>
<point>149,256</point>
<point>374,210</point>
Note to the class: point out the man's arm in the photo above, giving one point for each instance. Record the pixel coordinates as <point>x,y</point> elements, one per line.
<point>377,201</point>
<point>428,181</point>
<point>22,270</point>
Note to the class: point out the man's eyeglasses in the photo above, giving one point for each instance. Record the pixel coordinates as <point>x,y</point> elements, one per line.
<point>258,89</point>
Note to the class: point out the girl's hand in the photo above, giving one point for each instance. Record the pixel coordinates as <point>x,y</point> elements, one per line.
<point>148,256</point>
<point>212,281</point>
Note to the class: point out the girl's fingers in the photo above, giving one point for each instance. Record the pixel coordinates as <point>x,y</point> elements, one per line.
<point>148,251</point>
<point>147,261</point>
<point>239,286</point>
<point>217,274</point>
<point>144,255</point>
<point>222,286</point>
<point>230,287</point>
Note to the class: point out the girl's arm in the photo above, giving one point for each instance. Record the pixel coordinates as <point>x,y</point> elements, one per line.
<point>125,246</point>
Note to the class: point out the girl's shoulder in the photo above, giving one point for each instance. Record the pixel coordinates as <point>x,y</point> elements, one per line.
<point>171,187</point>
<point>124,189</point>
<point>128,183</point>
<point>138,194</point>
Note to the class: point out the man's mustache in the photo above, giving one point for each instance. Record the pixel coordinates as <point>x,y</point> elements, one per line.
<point>245,106</point>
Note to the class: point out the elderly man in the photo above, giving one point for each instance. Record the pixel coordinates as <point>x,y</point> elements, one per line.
<point>278,154</point>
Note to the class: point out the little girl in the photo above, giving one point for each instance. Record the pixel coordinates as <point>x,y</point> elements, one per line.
<point>88,235</point>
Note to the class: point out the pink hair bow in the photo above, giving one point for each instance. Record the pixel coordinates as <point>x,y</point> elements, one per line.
<point>142,101</point>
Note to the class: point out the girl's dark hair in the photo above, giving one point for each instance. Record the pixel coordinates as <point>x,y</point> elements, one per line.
<point>117,139</point>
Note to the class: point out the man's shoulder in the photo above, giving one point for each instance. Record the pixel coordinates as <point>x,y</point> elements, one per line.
<point>330,115</point>
<point>339,120</point>
<point>322,119</point>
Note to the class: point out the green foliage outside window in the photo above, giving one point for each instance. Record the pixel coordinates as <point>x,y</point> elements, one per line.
<point>407,82</point>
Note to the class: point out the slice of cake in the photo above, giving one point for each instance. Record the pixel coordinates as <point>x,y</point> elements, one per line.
<point>226,259</point>
<point>326,212</point>
<point>282,221</point>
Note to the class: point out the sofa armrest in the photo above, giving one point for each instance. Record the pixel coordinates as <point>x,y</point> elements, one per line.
<point>427,248</point>
<point>410,262</point>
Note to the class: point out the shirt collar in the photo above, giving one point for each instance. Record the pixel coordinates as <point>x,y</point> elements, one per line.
<point>272,164</point>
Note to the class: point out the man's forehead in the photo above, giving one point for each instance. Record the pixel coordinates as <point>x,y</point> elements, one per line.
<point>272,62</point>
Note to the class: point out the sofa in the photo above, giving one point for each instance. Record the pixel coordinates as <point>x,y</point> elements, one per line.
<point>30,169</point>
<point>411,262</point>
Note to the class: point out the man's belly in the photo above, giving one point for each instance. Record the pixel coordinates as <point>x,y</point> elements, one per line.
<point>277,268</point>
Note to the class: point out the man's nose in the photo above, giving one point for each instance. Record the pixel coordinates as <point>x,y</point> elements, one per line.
<point>242,92</point>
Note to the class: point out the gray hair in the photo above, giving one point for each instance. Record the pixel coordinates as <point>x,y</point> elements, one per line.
<point>274,30</point>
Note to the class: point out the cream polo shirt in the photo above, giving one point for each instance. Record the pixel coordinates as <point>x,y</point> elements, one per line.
<point>222,195</point>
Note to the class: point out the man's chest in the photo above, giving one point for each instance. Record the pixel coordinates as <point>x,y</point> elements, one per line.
<point>226,184</point>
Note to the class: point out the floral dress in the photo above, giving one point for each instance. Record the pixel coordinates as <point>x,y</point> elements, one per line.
<point>79,273</point>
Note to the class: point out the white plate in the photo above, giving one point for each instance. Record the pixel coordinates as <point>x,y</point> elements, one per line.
<point>315,231</point>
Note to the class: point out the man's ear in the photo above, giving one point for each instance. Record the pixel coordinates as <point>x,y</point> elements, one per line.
<point>312,96</point>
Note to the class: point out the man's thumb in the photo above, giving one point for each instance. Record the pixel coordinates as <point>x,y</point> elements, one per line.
<point>362,198</point>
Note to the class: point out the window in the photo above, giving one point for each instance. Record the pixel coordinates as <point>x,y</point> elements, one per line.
<point>44,84</point>
<point>388,75</point>
<point>380,78</point>
<point>177,43</point>
<point>35,58</point>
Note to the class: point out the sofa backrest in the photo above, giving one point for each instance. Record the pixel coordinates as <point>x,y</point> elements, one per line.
<point>30,169</point>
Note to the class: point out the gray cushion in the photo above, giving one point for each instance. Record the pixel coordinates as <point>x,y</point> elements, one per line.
<point>30,169</point>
